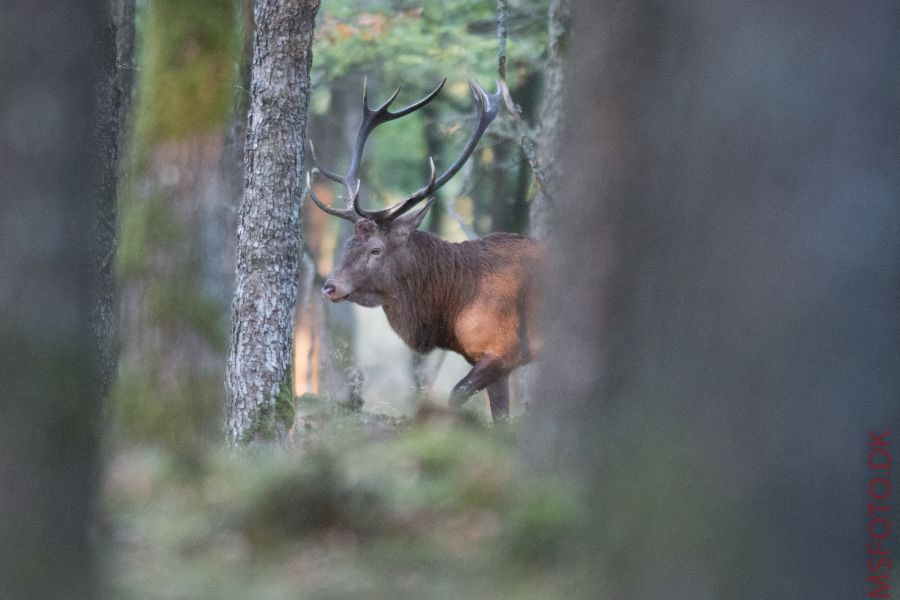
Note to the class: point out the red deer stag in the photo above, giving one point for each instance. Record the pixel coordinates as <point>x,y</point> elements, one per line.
<point>477,298</point>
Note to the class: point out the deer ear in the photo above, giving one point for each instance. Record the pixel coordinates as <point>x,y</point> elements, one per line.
<point>411,220</point>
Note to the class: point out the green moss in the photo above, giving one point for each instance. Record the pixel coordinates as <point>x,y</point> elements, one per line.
<point>145,223</point>
<point>272,420</point>
<point>261,428</point>
<point>181,417</point>
<point>540,521</point>
<point>284,405</point>
<point>171,300</point>
<point>188,67</point>
<point>179,302</point>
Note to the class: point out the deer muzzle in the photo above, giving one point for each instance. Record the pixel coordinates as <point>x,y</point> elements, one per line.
<point>331,291</point>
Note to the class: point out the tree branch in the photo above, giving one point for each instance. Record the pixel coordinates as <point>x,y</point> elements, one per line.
<point>526,140</point>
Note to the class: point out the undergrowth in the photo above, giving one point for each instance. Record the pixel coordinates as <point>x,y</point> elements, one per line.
<point>362,506</point>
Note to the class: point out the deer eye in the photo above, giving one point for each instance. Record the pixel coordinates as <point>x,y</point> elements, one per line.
<point>375,251</point>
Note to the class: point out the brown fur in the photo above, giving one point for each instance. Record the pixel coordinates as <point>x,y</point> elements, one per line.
<point>474,298</point>
<point>477,298</point>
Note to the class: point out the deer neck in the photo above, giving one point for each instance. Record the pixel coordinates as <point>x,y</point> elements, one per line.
<point>423,304</point>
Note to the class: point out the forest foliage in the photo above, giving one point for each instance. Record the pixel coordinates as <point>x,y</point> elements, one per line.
<point>415,45</point>
<point>182,184</point>
<point>720,354</point>
<point>374,505</point>
<point>362,506</point>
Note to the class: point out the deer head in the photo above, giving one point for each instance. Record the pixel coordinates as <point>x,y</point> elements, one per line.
<point>370,263</point>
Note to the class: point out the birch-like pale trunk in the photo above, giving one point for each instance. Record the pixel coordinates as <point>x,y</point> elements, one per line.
<point>268,232</point>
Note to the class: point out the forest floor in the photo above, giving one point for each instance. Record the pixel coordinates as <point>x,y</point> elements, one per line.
<point>361,506</point>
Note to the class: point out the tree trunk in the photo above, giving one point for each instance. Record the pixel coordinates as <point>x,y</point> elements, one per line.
<point>551,118</point>
<point>173,261</point>
<point>114,97</point>
<point>727,335</point>
<point>334,325</point>
<point>434,146</point>
<point>307,329</point>
<point>269,237</point>
<point>51,62</point>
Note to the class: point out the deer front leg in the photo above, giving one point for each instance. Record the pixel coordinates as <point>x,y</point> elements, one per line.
<point>485,372</point>
<point>498,394</point>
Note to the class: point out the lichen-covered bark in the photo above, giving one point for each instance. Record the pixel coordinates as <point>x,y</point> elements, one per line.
<point>268,232</point>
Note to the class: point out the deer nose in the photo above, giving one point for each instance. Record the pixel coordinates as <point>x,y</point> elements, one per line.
<point>328,289</point>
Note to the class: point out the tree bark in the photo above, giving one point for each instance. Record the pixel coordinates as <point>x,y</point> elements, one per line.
<point>724,294</point>
<point>114,96</point>
<point>551,118</point>
<point>269,237</point>
<point>51,56</point>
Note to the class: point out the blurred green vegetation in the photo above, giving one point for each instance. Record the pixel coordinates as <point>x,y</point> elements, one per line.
<point>414,45</point>
<point>168,389</point>
<point>408,42</point>
<point>361,507</point>
<point>188,59</point>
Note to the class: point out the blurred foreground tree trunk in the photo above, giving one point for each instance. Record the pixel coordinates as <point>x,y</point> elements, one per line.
<point>51,57</point>
<point>114,96</point>
<point>724,294</point>
<point>173,261</point>
<point>268,233</point>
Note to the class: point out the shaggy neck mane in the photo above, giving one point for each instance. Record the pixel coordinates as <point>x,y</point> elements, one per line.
<point>433,282</point>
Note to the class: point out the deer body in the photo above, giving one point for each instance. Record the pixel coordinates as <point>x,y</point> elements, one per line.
<point>477,298</point>
<point>474,298</point>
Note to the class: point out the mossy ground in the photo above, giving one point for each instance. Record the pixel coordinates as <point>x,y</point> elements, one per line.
<point>363,506</point>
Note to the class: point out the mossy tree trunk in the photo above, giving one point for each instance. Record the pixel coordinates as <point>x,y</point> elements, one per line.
<point>727,335</point>
<point>51,56</point>
<point>268,232</point>
<point>173,263</point>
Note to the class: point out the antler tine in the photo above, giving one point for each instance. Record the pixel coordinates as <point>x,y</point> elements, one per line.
<point>327,173</point>
<point>348,213</point>
<point>372,118</point>
<point>384,106</point>
<point>390,116</point>
<point>417,105</point>
<point>388,214</point>
<point>487,106</point>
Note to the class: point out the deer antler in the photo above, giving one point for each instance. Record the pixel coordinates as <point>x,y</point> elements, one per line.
<point>371,119</point>
<point>486,106</point>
